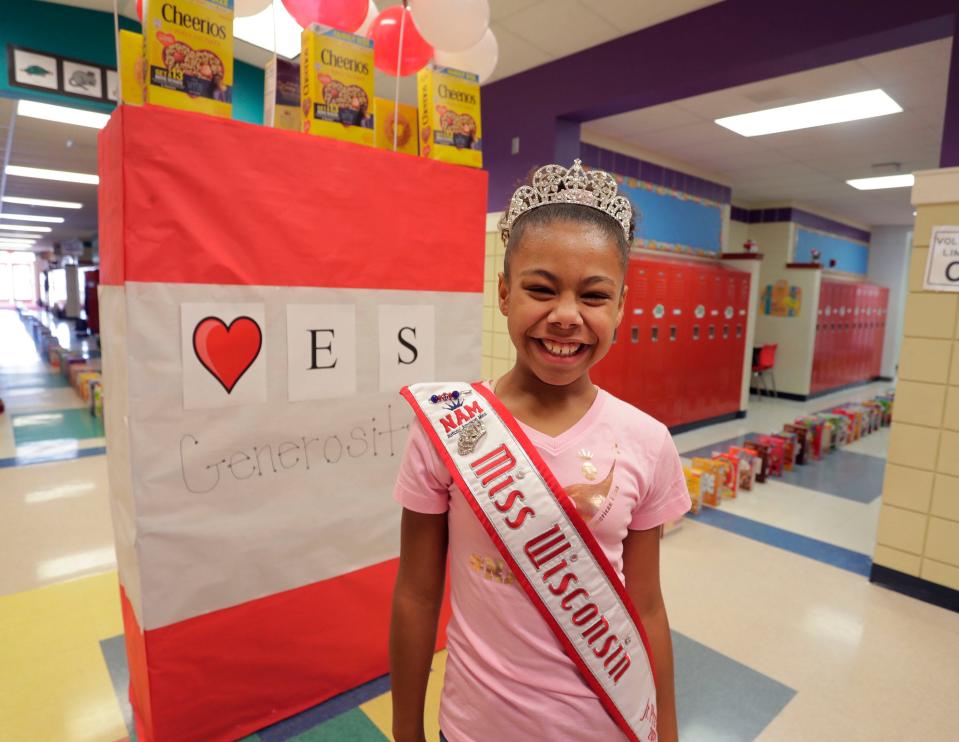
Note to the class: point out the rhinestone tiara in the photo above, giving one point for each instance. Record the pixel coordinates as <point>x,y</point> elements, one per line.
<point>554,184</point>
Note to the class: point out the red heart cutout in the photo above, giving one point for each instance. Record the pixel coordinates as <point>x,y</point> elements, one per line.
<point>227,351</point>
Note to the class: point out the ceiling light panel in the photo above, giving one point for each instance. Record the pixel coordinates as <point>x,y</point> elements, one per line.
<point>32,218</point>
<point>62,114</point>
<point>42,202</point>
<point>852,107</point>
<point>60,175</point>
<point>885,181</point>
<point>24,228</point>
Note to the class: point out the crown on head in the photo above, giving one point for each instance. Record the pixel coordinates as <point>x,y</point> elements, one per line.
<point>554,184</point>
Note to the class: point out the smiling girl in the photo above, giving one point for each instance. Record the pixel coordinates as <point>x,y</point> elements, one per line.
<point>548,494</point>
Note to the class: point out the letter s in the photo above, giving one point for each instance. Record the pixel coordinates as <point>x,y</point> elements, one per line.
<point>403,341</point>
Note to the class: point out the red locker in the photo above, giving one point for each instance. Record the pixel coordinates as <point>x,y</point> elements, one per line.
<point>675,344</point>
<point>743,364</point>
<point>698,366</point>
<point>654,365</point>
<point>636,339</point>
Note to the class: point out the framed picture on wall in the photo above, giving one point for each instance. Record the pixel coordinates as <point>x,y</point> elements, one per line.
<point>33,70</point>
<point>113,85</point>
<point>82,79</point>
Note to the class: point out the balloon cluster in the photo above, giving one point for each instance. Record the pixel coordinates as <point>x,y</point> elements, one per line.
<point>455,33</point>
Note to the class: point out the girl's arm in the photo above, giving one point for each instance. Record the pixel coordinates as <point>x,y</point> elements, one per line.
<point>417,598</point>
<point>641,569</point>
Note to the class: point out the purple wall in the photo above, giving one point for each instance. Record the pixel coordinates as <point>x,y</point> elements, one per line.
<point>802,218</point>
<point>730,43</point>
<point>949,154</point>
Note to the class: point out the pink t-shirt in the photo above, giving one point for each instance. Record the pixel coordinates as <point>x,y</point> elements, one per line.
<point>507,677</point>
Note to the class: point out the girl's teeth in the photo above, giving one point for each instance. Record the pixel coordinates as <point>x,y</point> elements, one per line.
<point>561,349</point>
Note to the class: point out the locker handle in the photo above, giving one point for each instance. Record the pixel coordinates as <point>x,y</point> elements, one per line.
<point>655,335</point>
<point>672,333</point>
<point>739,331</point>
<point>725,332</point>
<point>634,334</point>
<point>712,332</point>
<point>695,332</point>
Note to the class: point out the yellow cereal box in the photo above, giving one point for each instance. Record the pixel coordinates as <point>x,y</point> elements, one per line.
<point>710,481</point>
<point>132,68</point>
<point>281,94</point>
<point>336,84</point>
<point>693,486</point>
<point>189,54</point>
<point>401,124</point>
<point>450,128</point>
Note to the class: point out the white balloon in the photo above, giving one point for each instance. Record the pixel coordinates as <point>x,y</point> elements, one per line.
<point>368,21</point>
<point>451,25</point>
<point>480,59</point>
<point>243,8</point>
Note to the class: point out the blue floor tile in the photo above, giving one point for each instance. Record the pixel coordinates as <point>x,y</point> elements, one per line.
<point>719,699</point>
<point>821,551</point>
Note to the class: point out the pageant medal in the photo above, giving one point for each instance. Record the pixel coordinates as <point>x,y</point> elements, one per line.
<point>469,436</point>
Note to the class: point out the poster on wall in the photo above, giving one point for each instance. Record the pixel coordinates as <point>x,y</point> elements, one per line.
<point>32,70</point>
<point>254,423</point>
<point>942,264</point>
<point>781,299</point>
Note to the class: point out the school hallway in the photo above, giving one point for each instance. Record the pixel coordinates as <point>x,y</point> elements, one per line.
<point>778,633</point>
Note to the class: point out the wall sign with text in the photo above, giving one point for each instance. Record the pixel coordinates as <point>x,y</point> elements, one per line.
<point>942,265</point>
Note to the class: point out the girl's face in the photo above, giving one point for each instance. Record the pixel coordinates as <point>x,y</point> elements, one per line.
<point>563,300</point>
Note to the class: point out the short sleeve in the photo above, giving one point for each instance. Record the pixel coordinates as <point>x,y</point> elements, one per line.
<point>666,498</point>
<point>423,482</point>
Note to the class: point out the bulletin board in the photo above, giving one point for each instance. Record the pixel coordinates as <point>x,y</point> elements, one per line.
<point>851,257</point>
<point>673,220</point>
<point>264,296</point>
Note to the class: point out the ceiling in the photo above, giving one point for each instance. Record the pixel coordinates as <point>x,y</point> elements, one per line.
<point>809,166</point>
<point>805,168</point>
<point>57,147</point>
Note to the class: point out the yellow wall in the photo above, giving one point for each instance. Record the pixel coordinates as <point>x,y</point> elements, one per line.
<point>919,522</point>
<point>498,352</point>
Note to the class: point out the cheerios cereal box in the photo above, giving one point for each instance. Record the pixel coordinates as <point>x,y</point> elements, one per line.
<point>336,84</point>
<point>395,122</point>
<point>188,46</point>
<point>450,128</point>
<point>281,94</point>
<point>132,68</point>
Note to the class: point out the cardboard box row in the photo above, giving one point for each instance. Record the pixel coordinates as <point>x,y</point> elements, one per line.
<point>184,60</point>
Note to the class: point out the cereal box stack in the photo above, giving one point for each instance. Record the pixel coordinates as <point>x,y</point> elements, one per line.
<point>449,121</point>
<point>281,94</point>
<point>401,123</point>
<point>188,45</point>
<point>336,84</point>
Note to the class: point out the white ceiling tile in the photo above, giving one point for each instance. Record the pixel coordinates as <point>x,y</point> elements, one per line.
<point>515,54</point>
<point>500,9</point>
<point>560,27</point>
<point>649,119</point>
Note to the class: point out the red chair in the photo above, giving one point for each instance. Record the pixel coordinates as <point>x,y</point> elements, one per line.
<point>764,359</point>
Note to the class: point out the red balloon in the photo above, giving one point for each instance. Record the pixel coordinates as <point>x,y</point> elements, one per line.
<point>343,15</point>
<point>140,10</point>
<point>385,33</point>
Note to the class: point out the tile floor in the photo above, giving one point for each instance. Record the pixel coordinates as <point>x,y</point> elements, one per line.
<point>777,633</point>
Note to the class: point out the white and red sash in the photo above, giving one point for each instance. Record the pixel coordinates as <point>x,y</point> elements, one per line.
<point>549,548</point>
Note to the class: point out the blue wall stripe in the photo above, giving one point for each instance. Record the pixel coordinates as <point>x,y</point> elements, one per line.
<point>837,556</point>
